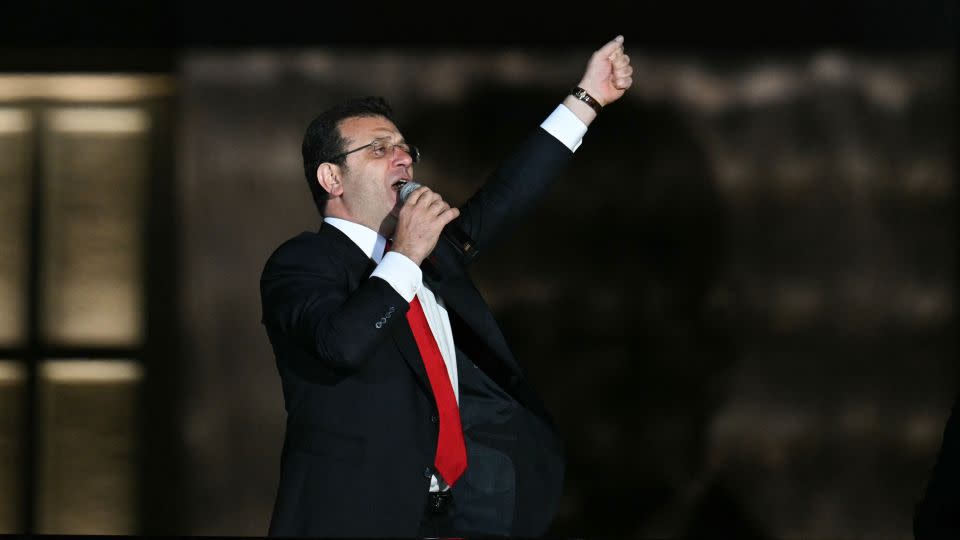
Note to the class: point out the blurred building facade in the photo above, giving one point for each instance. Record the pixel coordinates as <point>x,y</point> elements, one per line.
<point>752,330</point>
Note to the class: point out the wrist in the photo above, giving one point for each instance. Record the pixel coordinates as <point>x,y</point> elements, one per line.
<point>590,96</point>
<point>581,110</point>
<point>408,253</point>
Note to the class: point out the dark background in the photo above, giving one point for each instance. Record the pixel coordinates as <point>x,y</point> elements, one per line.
<point>710,397</point>
<point>701,27</point>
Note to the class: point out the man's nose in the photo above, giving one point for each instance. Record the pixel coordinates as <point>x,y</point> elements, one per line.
<point>401,157</point>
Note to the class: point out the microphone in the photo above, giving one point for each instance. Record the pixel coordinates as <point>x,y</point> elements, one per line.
<point>452,233</point>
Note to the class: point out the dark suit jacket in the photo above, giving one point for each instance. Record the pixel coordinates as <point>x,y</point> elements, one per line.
<point>938,515</point>
<point>361,420</point>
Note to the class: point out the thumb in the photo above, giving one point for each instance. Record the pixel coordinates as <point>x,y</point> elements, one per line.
<point>611,46</point>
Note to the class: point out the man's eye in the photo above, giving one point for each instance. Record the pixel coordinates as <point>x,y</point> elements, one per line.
<point>379,149</point>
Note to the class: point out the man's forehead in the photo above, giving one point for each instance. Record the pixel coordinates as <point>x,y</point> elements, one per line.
<point>368,127</point>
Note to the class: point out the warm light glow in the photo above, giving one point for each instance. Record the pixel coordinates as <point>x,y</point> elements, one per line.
<point>88,464</point>
<point>768,84</point>
<point>796,303</point>
<point>16,158</point>
<point>13,120</point>
<point>702,89</point>
<point>100,120</point>
<point>11,372</point>
<point>96,167</point>
<point>832,67</point>
<point>921,431</point>
<point>928,177</point>
<point>924,304</point>
<point>84,87</point>
<point>91,371</point>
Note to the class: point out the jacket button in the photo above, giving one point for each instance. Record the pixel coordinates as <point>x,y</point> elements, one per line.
<point>427,473</point>
<point>434,418</point>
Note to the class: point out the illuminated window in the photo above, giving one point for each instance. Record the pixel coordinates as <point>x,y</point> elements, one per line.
<point>78,156</point>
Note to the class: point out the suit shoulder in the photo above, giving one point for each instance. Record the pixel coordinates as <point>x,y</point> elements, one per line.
<point>305,251</point>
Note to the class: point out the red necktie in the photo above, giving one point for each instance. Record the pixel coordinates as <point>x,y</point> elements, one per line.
<point>451,457</point>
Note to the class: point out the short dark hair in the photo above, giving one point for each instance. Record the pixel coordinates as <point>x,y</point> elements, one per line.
<point>323,139</point>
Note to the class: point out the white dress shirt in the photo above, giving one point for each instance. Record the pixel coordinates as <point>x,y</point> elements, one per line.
<point>406,277</point>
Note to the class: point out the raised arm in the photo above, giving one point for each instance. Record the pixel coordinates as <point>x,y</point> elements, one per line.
<point>607,77</point>
<point>522,179</point>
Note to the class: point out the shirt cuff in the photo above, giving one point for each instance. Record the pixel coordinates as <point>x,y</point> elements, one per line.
<point>401,273</point>
<point>566,127</point>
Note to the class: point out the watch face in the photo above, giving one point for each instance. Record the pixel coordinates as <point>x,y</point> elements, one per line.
<point>582,95</point>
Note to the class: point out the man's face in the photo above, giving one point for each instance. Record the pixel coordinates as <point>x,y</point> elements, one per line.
<point>371,182</point>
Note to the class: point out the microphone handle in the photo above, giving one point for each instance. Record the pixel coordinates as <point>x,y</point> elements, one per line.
<point>464,245</point>
<point>453,232</point>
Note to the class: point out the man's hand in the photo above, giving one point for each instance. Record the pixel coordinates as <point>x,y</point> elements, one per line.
<point>608,73</point>
<point>421,219</point>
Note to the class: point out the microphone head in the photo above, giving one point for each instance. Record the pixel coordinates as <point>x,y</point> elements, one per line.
<point>406,190</point>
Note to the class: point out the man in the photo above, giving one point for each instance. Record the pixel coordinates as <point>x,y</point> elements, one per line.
<point>407,414</point>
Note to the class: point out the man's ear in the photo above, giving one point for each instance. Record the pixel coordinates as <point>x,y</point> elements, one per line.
<point>329,177</point>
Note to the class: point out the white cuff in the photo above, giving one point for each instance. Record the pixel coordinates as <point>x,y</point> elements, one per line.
<point>566,127</point>
<point>401,273</point>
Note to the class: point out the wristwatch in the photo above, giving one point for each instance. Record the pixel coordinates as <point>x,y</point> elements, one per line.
<point>583,96</point>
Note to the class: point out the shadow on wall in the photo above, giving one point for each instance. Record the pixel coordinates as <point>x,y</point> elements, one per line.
<point>603,294</point>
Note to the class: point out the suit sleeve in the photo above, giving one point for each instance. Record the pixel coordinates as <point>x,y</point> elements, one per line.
<point>514,188</point>
<point>314,307</point>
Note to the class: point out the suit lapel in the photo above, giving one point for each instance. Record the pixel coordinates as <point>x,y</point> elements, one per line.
<point>359,268</point>
<point>446,278</point>
<point>403,337</point>
<point>451,282</point>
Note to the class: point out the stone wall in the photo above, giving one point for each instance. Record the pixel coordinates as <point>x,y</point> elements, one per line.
<point>739,303</point>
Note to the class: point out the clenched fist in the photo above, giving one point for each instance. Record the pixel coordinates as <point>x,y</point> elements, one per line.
<point>608,73</point>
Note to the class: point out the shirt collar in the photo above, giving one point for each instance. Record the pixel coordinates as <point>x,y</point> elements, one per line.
<point>368,240</point>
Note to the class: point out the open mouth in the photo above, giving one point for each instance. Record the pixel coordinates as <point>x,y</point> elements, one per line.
<point>398,184</point>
